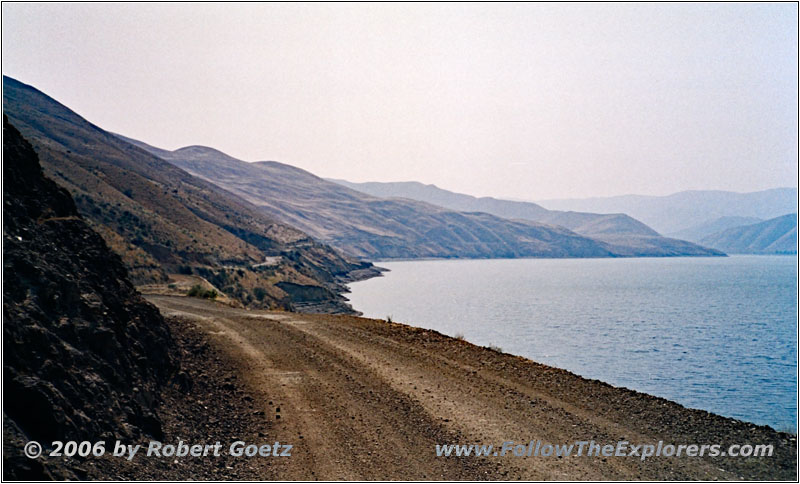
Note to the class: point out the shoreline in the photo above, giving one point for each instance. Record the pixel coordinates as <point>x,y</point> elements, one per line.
<point>733,254</point>
<point>690,256</point>
<point>696,380</point>
<point>577,375</point>
<point>395,377</point>
<point>572,374</point>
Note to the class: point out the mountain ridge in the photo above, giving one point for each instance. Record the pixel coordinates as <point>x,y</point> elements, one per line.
<point>381,228</point>
<point>680,211</point>
<point>697,232</point>
<point>162,220</point>
<point>199,210</point>
<point>581,222</point>
<point>774,236</point>
<point>624,235</point>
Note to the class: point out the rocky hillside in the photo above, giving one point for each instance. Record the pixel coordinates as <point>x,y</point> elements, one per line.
<point>163,221</point>
<point>84,356</point>
<point>621,234</point>
<point>773,236</point>
<point>584,223</point>
<point>374,227</point>
<point>674,213</point>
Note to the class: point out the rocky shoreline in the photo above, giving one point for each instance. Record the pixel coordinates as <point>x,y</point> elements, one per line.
<point>366,382</point>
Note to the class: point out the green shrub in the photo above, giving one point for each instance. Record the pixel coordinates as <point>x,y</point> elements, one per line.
<point>198,291</point>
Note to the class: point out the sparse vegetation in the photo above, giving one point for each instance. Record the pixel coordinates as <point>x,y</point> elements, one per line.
<point>495,348</point>
<point>459,336</point>
<point>198,291</point>
<point>389,319</point>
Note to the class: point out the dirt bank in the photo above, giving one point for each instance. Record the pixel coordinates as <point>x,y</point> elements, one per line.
<point>366,399</point>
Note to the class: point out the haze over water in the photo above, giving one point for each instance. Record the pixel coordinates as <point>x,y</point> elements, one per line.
<point>718,334</point>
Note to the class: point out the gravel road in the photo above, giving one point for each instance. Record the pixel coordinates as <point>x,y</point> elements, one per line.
<point>363,399</point>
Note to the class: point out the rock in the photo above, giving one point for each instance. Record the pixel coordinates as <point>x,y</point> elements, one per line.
<point>77,337</point>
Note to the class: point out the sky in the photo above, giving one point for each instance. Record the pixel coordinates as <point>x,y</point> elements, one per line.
<point>523,101</point>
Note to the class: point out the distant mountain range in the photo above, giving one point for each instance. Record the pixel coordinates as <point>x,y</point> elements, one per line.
<point>773,236</point>
<point>380,228</point>
<point>262,232</point>
<point>673,214</point>
<point>162,220</point>
<point>698,232</point>
<point>623,234</point>
<point>591,224</point>
<point>371,227</point>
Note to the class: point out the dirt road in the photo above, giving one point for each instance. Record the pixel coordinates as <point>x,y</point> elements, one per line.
<point>366,399</point>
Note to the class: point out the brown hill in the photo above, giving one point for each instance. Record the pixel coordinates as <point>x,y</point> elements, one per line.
<point>384,228</point>
<point>162,220</point>
<point>374,227</point>
<point>591,224</point>
<point>622,234</point>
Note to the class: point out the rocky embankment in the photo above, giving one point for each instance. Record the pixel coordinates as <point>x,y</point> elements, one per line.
<point>85,357</point>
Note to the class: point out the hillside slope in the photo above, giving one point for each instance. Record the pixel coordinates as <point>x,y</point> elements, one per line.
<point>697,232</point>
<point>622,234</point>
<point>590,224</point>
<point>683,210</point>
<point>378,228</point>
<point>373,227</point>
<point>163,220</point>
<point>84,356</point>
<point>774,236</point>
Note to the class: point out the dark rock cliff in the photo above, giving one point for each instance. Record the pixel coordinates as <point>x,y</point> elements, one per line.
<point>84,355</point>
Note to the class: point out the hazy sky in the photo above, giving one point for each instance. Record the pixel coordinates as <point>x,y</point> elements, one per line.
<point>528,101</point>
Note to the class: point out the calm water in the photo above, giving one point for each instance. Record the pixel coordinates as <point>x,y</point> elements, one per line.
<point>713,333</point>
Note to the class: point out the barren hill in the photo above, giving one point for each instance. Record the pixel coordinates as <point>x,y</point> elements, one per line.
<point>584,223</point>
<point>774,236</point>
<point>381,228</point>
<point>622,234</point>
<point>163,220</point>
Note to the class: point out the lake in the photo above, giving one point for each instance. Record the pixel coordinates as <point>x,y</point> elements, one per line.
<point>719,334</point>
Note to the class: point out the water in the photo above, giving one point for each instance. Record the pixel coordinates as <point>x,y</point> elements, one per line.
<point>718,334</point>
